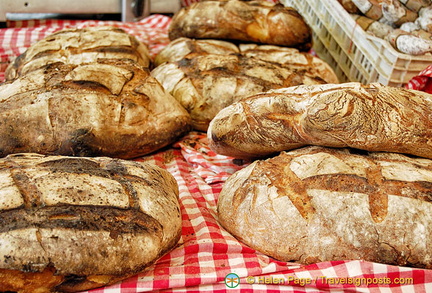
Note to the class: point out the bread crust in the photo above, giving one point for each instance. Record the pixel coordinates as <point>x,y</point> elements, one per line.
<point>72,224</point>
<point>109,108</point>
<point>249,21</point>
<point>370,117</point>
<point>290,58</point>
<point>77,46</point>
<point>181,47</point>
<point>207,75</point>
<point>318,204</point>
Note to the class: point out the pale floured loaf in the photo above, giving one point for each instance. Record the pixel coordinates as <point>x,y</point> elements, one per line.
<point>318,204</point>
<point>290,58</point>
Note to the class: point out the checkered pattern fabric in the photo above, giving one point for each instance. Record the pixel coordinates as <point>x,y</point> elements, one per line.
<point>206,253</point>
<point>423,81</point>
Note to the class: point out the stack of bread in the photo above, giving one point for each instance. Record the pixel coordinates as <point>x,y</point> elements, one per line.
<point>79,102</point>
<point>223,51</point>
<point>344,171</point>
<point>75,215</point>
<point>340,171</point>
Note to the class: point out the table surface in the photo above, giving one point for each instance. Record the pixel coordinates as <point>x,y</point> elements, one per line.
<point>207,254</point>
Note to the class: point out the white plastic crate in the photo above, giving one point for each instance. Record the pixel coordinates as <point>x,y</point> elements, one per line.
<point>354,54</point>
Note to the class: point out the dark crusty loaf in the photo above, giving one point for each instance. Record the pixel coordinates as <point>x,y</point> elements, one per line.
<point>107,108</point>
<point>370,117</point>
<point>319,204</point>
<point>72,224</point>
<point>76,46</point>
<point>249,21</point>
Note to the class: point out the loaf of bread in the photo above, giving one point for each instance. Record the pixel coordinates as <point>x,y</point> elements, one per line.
<point>181,47</point>
<point>205,79</point>
<point>317,204</point>
<point>257,21</point>
<point>107,108</point>
<point>71,224</point>
<point>76,46</point>
<point>369,117</point>
<point>291,58</point>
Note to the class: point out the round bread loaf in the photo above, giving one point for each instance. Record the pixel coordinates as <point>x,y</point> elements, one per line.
<point>257,21</point>
<point>292,59</point>
<point>71,224</point>
<point>319,204</point>
<point>76,46</point>
<point>108,108</point>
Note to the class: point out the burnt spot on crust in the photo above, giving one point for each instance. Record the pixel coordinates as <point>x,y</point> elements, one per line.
<point>80,144</point>
<point>85,218</point>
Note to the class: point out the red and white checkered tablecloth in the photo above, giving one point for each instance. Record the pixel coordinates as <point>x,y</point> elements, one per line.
<point>423,81</point>
<point>206,253</point>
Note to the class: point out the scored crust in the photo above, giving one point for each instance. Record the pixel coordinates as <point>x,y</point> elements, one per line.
<point>206,76</point>
<point>107,108</point>
<point>249,21</point>
<point>77,46</point>
<point>319,204</point>
<point>370,117</point>
<point>77,223</point>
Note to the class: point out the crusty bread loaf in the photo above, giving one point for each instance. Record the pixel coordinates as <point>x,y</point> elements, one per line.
<point>206,79</point>
<point>290,58</point>
<point>318,204</point>
<point>250,21</point>
<point>108,108</point>
<point>181,47</point>
<point>71,224</point>
<point>76,46</point>
<point>369,117</point>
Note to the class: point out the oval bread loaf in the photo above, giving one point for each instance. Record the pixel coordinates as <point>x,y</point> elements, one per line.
<point>290,58</point>
<point>249,21</point>
<point>370,117</point>
<point>80,45</point>
<point>107,108</point>
<point>71,224</point>
<point>204,83</point>
<point>319,204</point>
